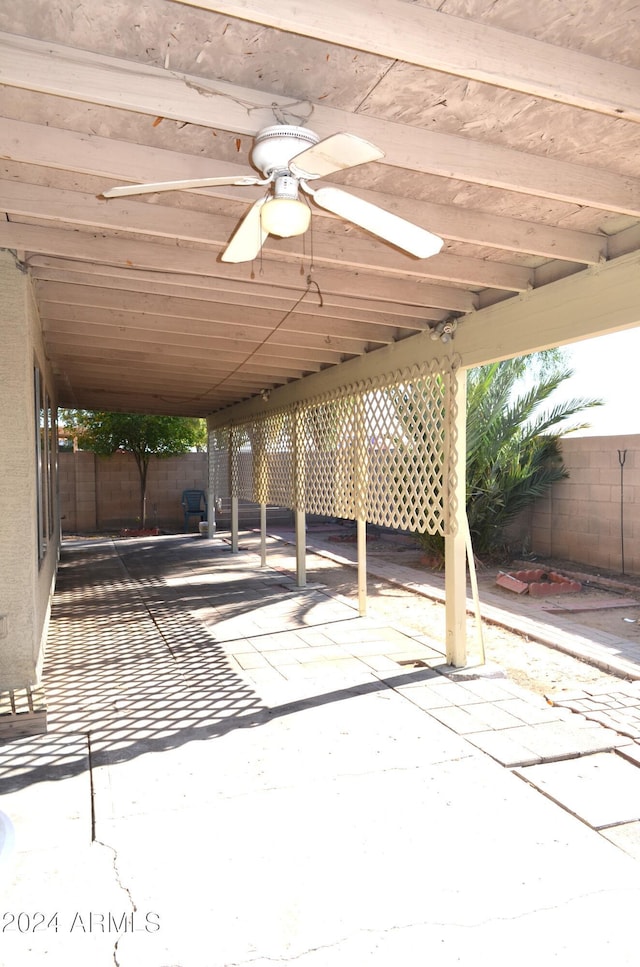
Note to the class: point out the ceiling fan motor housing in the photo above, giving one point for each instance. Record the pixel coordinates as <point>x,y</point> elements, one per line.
<point>275,146</point>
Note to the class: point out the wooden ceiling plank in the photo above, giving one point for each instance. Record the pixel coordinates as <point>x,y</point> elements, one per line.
<point>454,45</point>
<point>220,330</point>
<point>119,161</point>
<point>69,208</point>
<point>131,369</point>
<point>168,364</point>
<point>150,374</point>
<point>229,347</point>
<point>63,343</point>
<point>114,402</point>
<point>201,397</point>
<point>265,320</point>
<point>249,300</point>
<point>98,79</point>
<point>151,256</point>
<point>221,290</point>
<point>198,399</point>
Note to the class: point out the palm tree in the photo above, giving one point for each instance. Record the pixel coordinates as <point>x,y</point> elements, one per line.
<point>513,446</point>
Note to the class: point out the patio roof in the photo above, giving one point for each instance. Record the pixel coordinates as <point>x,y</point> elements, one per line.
<point>508,129</point>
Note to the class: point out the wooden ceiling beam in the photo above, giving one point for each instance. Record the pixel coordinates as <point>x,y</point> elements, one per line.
<point>69,208</point>
<point>112,400</point>
<point>185,388</point>
<point>184,311</point>
<point>228,347</point>
<point>170,259</point>
<point>147,376</point>
<point>247,299</point>
<point>418,35</point>
<point>590,303</point>
<point>131,369</point>
<point>205,287</point>
<point>95,78</point>
<point>179,399</point>
<point>221,331</point>
<point>119,161</point>
<point>186,306</point>
<point>63,343</point>
<point>185,367</point>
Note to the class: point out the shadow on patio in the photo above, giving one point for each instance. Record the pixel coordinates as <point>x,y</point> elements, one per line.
<point>139,661</point>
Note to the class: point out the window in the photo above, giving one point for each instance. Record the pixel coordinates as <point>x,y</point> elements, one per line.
<point>45,439</point>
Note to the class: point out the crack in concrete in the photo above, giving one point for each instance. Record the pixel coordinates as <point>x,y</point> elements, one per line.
<point>125,889</point>
<point>533,911</point>
<point>94,839</point>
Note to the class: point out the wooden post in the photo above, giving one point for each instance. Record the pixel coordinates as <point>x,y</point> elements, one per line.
<point>298,501</point>
<point>361,476</point>
<point>362,566</point>
<point>234,524</point>
<point>263,535</point>
<point>233,487</point>
<point>454,542</point>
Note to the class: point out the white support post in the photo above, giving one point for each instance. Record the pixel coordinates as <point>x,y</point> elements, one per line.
<point>233,489</point>
<point>301,549</point>
<point>211,514</point>
<point>298,469</point>
<point>362,566</point>
<point>263,535</point>
<point>361,475</point>
<point>234,524</point>
<point>454,542</point>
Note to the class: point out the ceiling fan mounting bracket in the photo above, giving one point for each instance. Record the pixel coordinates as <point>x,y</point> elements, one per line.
<point>275,146</point>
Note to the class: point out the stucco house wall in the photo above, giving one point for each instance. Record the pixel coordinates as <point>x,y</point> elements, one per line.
<point>27,561</point>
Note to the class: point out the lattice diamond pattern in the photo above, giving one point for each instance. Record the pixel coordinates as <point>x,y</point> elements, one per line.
<point>219,462</point>
<point>332,446</point>
<point>380,450</point>
<point>243,462</point>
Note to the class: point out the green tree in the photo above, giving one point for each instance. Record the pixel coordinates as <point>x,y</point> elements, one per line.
<point>513,443</point>
<point>143,436</point>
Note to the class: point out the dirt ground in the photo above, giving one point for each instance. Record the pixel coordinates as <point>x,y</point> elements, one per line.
<point>531,664</point>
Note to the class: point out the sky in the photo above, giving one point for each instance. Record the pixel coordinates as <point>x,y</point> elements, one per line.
<point>606,367</point>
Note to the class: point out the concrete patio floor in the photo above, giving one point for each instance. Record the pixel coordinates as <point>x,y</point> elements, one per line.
<point>241,772</point>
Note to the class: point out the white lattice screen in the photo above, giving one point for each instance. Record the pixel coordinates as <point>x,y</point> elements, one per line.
<point>219,483</point>
<point>379,450</point>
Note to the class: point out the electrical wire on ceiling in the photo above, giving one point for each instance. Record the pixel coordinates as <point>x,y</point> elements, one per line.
<point>310,287</point>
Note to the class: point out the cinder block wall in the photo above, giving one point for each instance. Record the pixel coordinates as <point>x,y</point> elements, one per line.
<point>103,493</point>
<point>580,519</point>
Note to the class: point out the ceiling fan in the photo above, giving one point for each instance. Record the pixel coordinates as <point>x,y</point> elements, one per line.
<point>289,158</point>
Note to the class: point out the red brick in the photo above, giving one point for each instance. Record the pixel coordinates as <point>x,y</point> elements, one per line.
<point>512,583</point>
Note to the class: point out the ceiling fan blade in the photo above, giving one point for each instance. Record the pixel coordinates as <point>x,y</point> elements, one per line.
<point>413,239</point>
<point>333,154</point>
<point>180,185</point>
<point>248,238</point>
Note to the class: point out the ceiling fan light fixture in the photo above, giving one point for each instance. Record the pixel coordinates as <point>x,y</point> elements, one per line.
<point>285,217</point>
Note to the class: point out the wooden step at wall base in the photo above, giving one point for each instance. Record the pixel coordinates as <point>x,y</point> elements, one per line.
<point>23,711</point>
